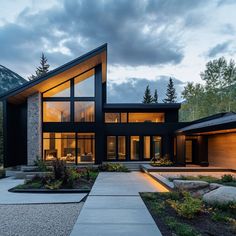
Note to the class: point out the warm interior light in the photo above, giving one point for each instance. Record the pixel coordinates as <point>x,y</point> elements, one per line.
<point>159,187</point>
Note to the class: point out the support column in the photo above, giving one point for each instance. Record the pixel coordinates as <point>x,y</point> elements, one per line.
<point>99,137</point>
<point>34,128</point>
<point>180,150</point>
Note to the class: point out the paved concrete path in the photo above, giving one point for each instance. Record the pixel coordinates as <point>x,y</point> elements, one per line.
<point>114,207</point>
<point>31,198</point>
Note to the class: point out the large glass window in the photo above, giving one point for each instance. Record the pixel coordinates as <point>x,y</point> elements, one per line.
<point>147,147</point>
<point>86,147</point>
<point>62,90</point>
<point>56,111</point>
<point>156,146</point>
<point>84,85</point>
<point>59,146</point>
<point>84,111</point>
<point>112,117</point>
<point>146,117</point>
<point>111,147</point>
<point>134,148</point>
<point>121,148</point>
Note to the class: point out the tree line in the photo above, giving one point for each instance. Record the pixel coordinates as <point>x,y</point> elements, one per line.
<point>171,95</point>
<point>217,93</point>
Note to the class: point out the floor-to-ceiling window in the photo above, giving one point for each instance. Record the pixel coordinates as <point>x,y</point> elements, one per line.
<point>121,148</point>
<point>111,147</point>
<point>147,147</point>
<point>70,147</point>
<point>116,148</point>
<point>156,146</point>
<point>59,146</point>
<point>134,148</point>
<point>85,147</point>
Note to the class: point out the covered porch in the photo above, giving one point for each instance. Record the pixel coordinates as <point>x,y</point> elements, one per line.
<point>208,142</point>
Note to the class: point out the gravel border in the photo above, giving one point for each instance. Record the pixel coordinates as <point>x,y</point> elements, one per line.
<point>38,219</point>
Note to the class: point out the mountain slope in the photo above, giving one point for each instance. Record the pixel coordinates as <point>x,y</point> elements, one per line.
<point>9,79</point>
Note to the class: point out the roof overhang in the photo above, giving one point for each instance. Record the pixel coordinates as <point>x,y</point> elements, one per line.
<point>225,124</point>
<point>141,107</point>
<point>59,75</point>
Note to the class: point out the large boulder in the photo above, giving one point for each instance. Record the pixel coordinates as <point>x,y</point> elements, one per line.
<point>190,185</point>
<point>221,195</point>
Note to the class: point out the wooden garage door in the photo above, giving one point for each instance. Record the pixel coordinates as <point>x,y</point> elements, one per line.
<point>222,150</point>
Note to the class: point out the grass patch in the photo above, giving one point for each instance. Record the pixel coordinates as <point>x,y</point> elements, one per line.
<point>181,229</point>
<point>177,213</point>
<point>188,207</point>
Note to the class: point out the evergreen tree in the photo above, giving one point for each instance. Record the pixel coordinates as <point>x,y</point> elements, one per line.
<point>147,98</point>
<point>42,69</point>
<point>170,93</point>
<point>155,97</point>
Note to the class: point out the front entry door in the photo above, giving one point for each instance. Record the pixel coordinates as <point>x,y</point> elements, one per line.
<point>190,151</point>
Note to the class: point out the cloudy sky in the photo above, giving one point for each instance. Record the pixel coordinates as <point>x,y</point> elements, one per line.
<point>148,40</point>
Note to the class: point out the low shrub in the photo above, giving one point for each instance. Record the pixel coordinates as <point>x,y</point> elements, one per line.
<point>188,207</point>
<point>60,170</point>
<point>181,229</point>
<point>219,217</point>
<point>41,165</point>
<point>113,167</point>
<point>53,184</point>
<point>227,178</point>
<point>73,176</point>
<point>173,195</point>
<point>161,161</point>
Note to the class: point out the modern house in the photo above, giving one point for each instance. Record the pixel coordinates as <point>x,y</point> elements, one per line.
<point>65,115</point>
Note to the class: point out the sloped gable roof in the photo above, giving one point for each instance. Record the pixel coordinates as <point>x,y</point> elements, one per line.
<point>60,74</point>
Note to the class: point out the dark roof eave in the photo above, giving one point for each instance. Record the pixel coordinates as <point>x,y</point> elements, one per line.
<point>54,72</point>
<point>202,127</point>
<point>141,106</point>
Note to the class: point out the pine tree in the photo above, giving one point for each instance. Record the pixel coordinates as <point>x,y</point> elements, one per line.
<point>170,93</point>
<point>147,98</point>
<point>155,97</point>
<point>42,69</point>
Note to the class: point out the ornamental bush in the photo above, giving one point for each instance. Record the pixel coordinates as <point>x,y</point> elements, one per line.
<point>188,207</point>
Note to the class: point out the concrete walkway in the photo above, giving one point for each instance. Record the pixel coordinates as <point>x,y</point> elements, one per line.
<point>33,198</point>
<point>114,207</point>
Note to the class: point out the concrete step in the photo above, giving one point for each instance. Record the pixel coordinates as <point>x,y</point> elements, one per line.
<point>132,166</point>
<point>149,168</point>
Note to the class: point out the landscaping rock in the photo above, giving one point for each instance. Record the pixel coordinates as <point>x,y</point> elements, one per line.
<point>214,186</point>
<point>190,184</point>
<point>221,195</point>
<point>200,192</point>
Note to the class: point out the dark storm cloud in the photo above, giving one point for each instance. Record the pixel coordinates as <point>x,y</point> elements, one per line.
<point>138,32</point>
<point>218,49</point>
<point>132,90</point>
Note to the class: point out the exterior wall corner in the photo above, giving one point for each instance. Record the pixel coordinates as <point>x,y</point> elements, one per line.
<point>34,128</point>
